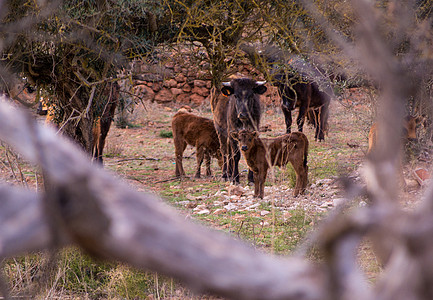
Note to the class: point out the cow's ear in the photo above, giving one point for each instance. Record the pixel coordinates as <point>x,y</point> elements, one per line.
<point>227,91</point>
<point>234,135</point>
<point>260,89</point>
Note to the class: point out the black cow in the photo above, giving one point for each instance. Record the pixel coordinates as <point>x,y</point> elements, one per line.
<point>240,111</point>
<point>306,95</point>
<point>298,84</point>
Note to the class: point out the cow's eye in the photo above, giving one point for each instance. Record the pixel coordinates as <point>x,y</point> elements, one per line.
<point>30,89</point>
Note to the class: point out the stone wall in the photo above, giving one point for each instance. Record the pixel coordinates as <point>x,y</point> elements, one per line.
<point>185,79</point>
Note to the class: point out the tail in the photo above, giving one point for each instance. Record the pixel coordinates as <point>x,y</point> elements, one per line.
<point>306,151</point>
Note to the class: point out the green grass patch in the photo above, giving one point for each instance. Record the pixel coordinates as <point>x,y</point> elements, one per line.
<point>166,134</point>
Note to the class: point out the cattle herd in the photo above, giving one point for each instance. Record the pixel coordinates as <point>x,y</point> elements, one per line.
<point>235,130</point>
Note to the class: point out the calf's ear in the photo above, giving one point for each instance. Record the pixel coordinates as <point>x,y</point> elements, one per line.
<point>234,135</point>
<point>260,88</point>
<point>227,90</point>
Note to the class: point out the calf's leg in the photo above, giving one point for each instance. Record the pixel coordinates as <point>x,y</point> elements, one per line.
<point>301,175</point>
<point>200,155</point>
<point>259,186</point>
<point>207,158</point>
<point>179,149</point>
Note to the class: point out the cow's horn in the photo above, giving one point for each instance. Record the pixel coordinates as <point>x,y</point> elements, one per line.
<point>227,83</point>
<point>260,82</point>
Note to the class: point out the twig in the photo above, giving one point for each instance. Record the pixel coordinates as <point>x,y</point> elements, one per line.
<point>139,158</point>
<point>167,180</point>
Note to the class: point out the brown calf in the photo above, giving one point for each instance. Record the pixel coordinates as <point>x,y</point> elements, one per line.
<point>260,154</point>
<point>409,132</point>
<point>189,129</point>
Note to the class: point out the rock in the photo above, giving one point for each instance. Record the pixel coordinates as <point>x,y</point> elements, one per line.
<point>191,205</point>
<point>236,190</point>
<point>176,91</point>
<point>327,204</point>
<point>219,211</point>
<point>196,99</point>
<point>171,83</point>
<point>146,93</point>
<point>169,65</point>
<point>199,83</point>
<point>339,201</point>
<point>183,98</point>
<point>200,91</point>
<point>190,197</point>
<point>186,88</point>
<point>203,212</point>
<point>362,203</point>
<point>412,184</point>
<point>180,78</point>
<point>422,176</point>
<point>231,206</point>
<point>200,207</point>
<point>156,87</point>
<point>264,213</point>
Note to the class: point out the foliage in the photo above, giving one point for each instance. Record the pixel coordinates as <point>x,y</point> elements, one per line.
<point>73,50</point>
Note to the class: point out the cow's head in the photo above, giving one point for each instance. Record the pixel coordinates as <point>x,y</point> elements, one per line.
<point>409,127</point>
<point>246,138</point>
<point>244,92</point>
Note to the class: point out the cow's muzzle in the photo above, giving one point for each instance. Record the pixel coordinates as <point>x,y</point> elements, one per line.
<point>244,148</point>
<point>243,117</point>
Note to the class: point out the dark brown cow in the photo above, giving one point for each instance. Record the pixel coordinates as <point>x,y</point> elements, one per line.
<point>307,96</point>
<point>260,154</point>
<point>189,129</point>
<point>241,110</point>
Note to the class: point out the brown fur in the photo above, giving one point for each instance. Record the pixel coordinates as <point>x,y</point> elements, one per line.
<point>409,131</point>
<point>260,154</point>
<point>189,129</point>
